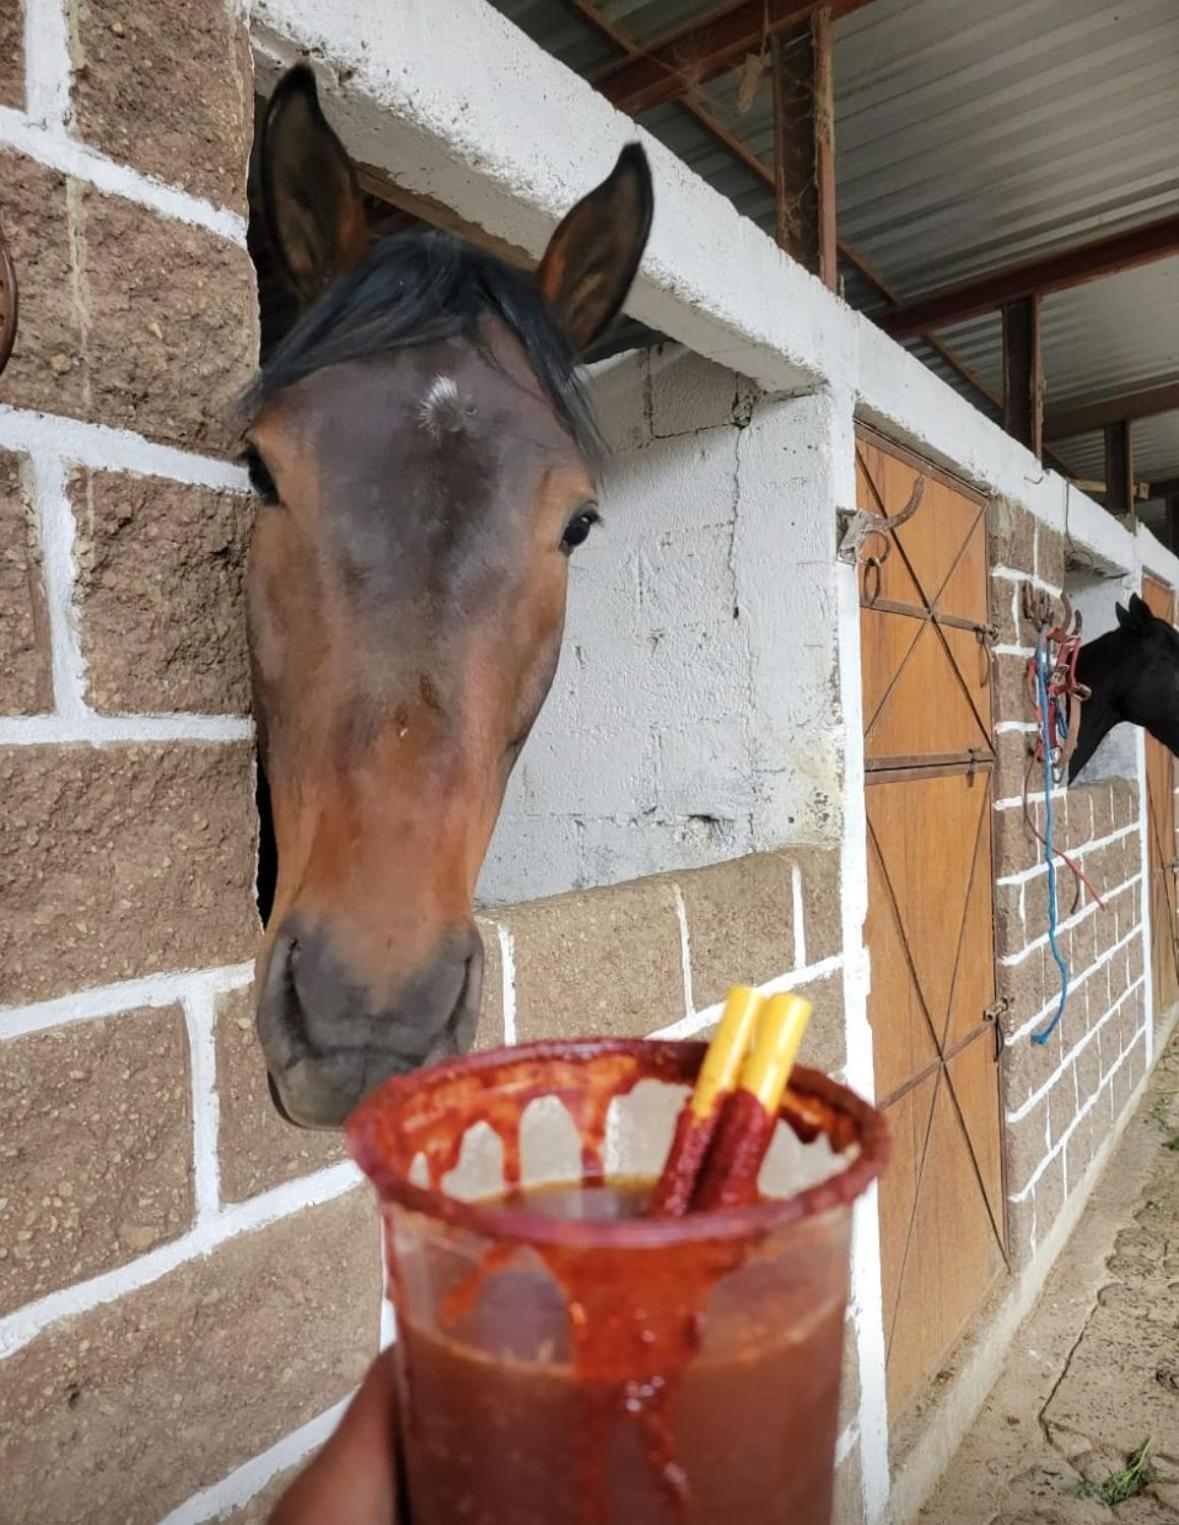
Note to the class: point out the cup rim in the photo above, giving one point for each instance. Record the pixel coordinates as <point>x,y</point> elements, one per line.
<point>809,1097</point>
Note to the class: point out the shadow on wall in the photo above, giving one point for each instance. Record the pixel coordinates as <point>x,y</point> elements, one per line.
<point>1095,590</point>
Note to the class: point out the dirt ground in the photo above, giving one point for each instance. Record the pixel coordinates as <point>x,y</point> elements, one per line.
<point>1094,1371</point>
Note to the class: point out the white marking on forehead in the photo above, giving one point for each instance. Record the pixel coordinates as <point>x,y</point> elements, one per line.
<point>440,410</point>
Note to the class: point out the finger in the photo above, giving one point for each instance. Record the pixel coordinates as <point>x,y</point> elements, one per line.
<point>353,1479</point>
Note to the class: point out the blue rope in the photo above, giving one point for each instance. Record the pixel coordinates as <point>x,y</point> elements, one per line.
<point>1046,746</point>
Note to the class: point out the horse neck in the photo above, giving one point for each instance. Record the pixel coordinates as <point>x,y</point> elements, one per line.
<point>1097,668</point>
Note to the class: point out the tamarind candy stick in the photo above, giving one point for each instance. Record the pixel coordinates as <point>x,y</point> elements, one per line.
<point>742,1137</point>
<point>700,1114</point>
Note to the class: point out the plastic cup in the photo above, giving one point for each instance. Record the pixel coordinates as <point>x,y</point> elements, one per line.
<point>564,1361</point>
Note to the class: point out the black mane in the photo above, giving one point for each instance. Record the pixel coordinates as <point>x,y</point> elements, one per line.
<point>417,288</point>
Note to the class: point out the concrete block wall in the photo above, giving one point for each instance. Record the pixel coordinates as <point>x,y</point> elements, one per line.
<point>693,717</point>
<point>1062,1100</point>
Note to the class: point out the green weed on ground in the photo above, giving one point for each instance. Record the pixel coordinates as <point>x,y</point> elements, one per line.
<point>1123,1485</point>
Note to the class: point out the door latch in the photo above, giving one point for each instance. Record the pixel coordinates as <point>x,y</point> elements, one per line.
<point>994,1015</point>
<point>857,526</point>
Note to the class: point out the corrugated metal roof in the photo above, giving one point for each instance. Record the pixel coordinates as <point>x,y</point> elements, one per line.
<point>969,138</point>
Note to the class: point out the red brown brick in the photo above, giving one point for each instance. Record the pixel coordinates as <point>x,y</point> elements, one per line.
<point>171,323</point>
<point>740,924</point>
<point>123,861</point>
<point>607,961</point>
<point>26,675</point>
<point>12,54</point>
<point>136,59</point>
<point>228,1352</point>
<point>45,369</point>
<point>161,567</point>
<point>255,1147</point>
<point>96,1153</point>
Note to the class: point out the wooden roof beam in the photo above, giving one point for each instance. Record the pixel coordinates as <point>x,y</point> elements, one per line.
<point>1087,417</point>
<point>705,48</point>
<point>1052,272</point>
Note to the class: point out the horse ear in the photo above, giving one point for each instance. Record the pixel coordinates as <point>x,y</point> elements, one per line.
<point>1137,618</point>
<point>313,206</point>
<point>592,258</point>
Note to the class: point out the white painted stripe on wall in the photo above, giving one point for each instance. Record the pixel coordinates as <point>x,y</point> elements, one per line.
<point>681,912</point>
<point>49,145</point>
<point>96,445</point>
<point>1025,874</point>
<point>47,64</point>
<point>507,954</point>
<point>56,521</point>
<point>798,913</point>
<point>25,1324</point>
<point>88,729</point>
<point>200,1017</point>
<point>1144,873</point>
<point>696,1021</point>
<point>252,1476</point>
<point>123,996</point>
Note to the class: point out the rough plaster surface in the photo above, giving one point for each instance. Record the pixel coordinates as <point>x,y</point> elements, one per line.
<point>700,644</point>
<point>1094,1370</point>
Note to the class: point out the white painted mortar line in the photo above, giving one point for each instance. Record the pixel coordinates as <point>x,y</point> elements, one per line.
<point>1025,727</point>
<point>1143,824</point>
<point>1062,1142</point>
<point>248,1480</point>
<point>1020,1112</point>
<point>52,147</point>
<point>507,955</point>
<point>1013,574</point>
<point>25,1324</point>
<point>47,64</point>
<point>681,912</point>
<point>103,448</point>
<point>200,1018</point>
<point>124,996</point>
<point>1026,874</point>
<point>85,728</point>
<point>695,1021</point>
<point>1010,960</point>
<point>798,915</point>
<point>847,1442</point>
<point>1007,650</point>
<point>1050,1006</point>
<point>56,519</point>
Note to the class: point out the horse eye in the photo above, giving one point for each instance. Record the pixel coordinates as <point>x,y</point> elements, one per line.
<point>259,473</point>
<point>578,528</point>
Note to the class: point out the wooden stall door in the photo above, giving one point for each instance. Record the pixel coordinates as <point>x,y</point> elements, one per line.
<point>1160,818</point>
<point>930,931</point>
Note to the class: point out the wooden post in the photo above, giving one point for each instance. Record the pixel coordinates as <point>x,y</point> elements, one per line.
<point>1023,375</point>
<point>804,145</point>
<point>1119,469</point>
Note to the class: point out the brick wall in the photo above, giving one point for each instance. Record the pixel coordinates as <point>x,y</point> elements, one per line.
<point>1064,1098</point>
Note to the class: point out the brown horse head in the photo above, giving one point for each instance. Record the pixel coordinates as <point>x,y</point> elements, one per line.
<point>422,451</point>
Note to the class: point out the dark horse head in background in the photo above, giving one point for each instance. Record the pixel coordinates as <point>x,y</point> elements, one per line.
<point>1133,675</point>
<point>422,449</point>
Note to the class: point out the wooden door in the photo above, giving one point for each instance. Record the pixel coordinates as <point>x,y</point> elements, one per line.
<point>1160,818</point>
<point>930,931</point>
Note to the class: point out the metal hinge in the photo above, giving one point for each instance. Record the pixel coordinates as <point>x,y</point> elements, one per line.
<point>994,1014</point>
<point>857,526</point>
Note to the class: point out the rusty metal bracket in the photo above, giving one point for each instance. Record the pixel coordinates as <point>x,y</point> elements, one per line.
<point>994,1015</point>
<point>9,302</point>
<point>856,526</point>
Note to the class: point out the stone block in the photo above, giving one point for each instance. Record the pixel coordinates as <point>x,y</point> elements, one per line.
<point>1062,1104</point>
<point>1012,535</point>
<point>1049,555</point>
<point>1084,943</point>
<point>740,924</point>
<point>1102,802</point>
<point>124,1411</point>
<point>134,62</point>
<point>1010,698</point>
<point>825,1045</point>
<point>1012,751</point>
<point>1088,1066</point>
<point>821,907</point>
<point>255,1147</point>
<point>45,370</point>
<point>1014,847</point>
<point>123,861</point>
<point>1009,927</point>
<point>171,333</point>
<point>606,961</point>
<point>12,54</point>
<point>26,671</point>
<point>96,1151</point>
<point>1027,1143</point>
<point>1049,1196</point>
<point>161,567</point>
<point>490,1032</point>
